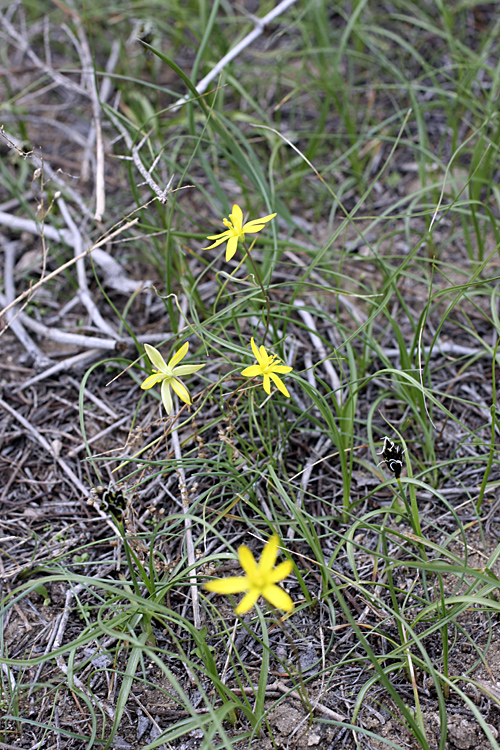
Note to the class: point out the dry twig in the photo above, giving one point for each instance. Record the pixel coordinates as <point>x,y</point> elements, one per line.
<point>260,26</point>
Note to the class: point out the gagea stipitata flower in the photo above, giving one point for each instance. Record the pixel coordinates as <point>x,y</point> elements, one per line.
<point>260,579</point>
<point>168,375</point>
<point>236,230</point>
<point>268,365</point>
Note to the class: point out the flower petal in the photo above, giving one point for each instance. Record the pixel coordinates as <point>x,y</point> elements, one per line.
<point>156,358</point>
<point>186,369</point>
<point>267,384</point>
<point>236,217</point>
<point>281,571</point>
<point>181,390</point>
<point>219,241</point>
<point>277,597</point>
<point>264,357</point>
<point>152,380</point>
<point>250,226</point>
<point>247,560</point>
<point>231,585</point>
<point>279,384</point>
<point>166,396</point>
<point>251,372</point>
<point>232,245</point>
<point>247,602</point>
<point>282,369</point>
<point>223,235</point>
<point>256,352</point>
<point>269,555</point>
<point>179,355</point>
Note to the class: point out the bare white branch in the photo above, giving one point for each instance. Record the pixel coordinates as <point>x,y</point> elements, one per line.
<point>260,25</point>
<point>106,238</point>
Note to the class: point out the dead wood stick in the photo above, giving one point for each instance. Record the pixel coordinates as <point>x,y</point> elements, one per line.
<point>62,337</point>
<point>84,293</point>
<point>22,43</point>
<point>47,171</point>
<point>293,693</point>
<point>161,193</point>
<point>69,263</point>
<point>40,359</point>
<point>112,428</point>
<point>114,275</point>
<point>75,481</point>
<point>260,26</point>
<point>91,88</point>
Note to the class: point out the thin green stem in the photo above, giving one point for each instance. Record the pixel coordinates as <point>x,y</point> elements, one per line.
<point>266,295</point>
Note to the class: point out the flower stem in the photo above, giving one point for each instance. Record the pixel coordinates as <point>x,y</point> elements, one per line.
<point>266,296</point>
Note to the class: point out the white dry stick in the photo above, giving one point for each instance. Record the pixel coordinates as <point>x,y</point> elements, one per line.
<point>41,361</point>
<point>90,85</point>
<point>84,293</point>
<point>296,695</point>
<point>318,345</point>
<point>104,93</point>
<point>75,482</point>
<point>161,194</point>
<point>445,347</point>
<point>151,718</point>
<point>114,56</point>
<point>308,363</point>
<point>260,26</point>
<point>95,399</point>
<point>11,679</point>
<point>61,337</point>
<point>22,43</point>
<point>101,241</point>
<point>112,428</point>
<point>47,171</point>
<point>16,224</point>
<point>223,676</point>
<point>187,525</point>
<point>78,360</point>
<point>114,275</point>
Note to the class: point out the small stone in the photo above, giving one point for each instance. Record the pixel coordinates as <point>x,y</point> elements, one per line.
<point>313,738</point>
<point>462,733</point>
<point>143,724</point>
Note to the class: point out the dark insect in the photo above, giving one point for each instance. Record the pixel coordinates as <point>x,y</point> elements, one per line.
<point>110,500</point>
<point>393,456</point>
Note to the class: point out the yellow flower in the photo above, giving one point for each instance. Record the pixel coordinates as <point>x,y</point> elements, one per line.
<point>260,579</point>
<point>168,375</point>
<point>267,365</point>
<point>236,230</point>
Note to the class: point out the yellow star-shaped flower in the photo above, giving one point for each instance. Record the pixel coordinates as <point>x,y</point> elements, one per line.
<point>260,579</point>
<point>267,365</point>
<point>236,230</point>
<point>168,375</point>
